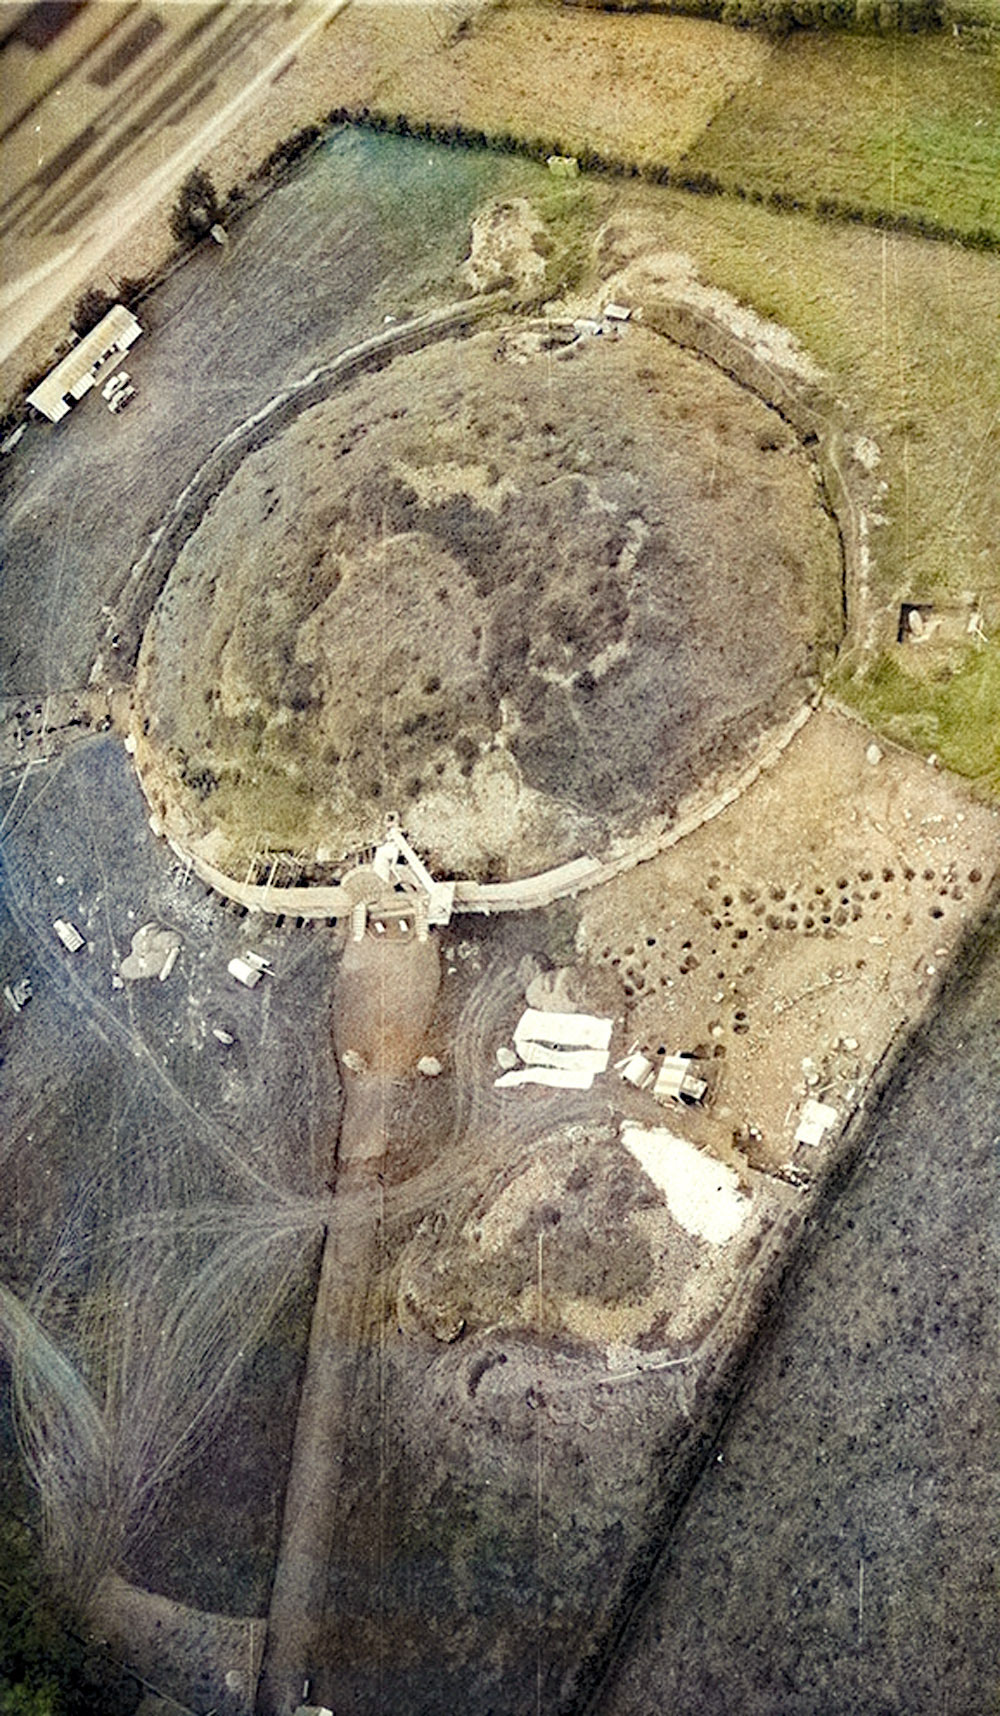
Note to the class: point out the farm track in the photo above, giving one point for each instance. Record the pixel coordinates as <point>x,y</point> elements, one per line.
<point>315,1497</point>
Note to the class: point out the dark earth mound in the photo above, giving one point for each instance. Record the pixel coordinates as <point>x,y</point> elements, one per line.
<point>520,590</point>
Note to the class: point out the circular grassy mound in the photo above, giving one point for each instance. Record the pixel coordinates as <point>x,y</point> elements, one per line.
<point>520,590</point>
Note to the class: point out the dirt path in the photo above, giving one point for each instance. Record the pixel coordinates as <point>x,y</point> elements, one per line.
<point>386,990</point>
<point>32,297</point>
<point>314,1498</point>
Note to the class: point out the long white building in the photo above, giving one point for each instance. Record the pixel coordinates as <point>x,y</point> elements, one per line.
<point>78,371</point>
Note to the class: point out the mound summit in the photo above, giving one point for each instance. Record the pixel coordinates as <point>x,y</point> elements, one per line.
<point>520,589</point>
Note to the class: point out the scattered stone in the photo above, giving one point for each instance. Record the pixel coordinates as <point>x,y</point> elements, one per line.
<point>506,1059</point>
<point>868,453</point>
<point>154,950</point>
<point>850,1043</point>
<point>354,1061</point>
<point>448,1329</point>
<point>430,1066</point>
<point>873,755</point>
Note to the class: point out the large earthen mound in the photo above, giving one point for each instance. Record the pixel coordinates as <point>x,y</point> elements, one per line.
<point>520,590</point>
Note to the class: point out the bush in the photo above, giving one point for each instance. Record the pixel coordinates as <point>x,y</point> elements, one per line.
<point>197,208</point>
<point>90,308</point>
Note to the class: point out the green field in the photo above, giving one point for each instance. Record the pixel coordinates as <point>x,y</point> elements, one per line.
<point>905,125</point>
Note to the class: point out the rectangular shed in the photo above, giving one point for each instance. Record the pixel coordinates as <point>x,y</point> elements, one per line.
<point>76,373</point>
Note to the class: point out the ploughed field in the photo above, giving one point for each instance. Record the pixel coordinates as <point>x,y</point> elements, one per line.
<point>521,590</point>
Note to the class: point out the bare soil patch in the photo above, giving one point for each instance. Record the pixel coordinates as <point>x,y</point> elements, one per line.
<point>789,940</point>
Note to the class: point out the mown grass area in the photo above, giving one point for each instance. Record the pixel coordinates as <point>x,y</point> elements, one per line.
<point>867,126</point>
<point>908,333</point>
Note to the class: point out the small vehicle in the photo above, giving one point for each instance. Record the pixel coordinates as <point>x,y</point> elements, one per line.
<point>68,934</point>
<point>111,386</point>
<point>119,400</point>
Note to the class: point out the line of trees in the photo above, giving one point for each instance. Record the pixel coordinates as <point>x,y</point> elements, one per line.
<point>886,17</point>
<point>681,178</point>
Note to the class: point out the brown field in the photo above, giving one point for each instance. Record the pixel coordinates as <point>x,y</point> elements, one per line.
<point>577,79</point>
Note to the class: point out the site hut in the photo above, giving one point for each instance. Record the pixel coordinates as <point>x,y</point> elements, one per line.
<point>84,366</point>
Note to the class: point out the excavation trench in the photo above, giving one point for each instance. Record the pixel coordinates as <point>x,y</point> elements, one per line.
<point>385,994</point>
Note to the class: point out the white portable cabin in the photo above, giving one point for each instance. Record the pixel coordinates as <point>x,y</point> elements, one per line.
<point>677,1082</point>
<point>248,975</point>
<point>77,372</point>
<point>816,1119</point>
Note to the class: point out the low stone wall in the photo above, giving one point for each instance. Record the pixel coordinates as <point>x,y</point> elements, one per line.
<point>819,422</point>
<point>527,893</point>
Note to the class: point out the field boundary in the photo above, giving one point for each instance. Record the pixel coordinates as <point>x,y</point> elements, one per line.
<point>782,17</point>
<point>678,178</point>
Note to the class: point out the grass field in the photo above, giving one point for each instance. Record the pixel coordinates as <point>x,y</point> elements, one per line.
<point>908,124</point>
<point>575,79</point>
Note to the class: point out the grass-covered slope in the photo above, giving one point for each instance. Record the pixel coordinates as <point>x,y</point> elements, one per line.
<point>898,128</point>
<point>832,154</point>
<point>908,332</point>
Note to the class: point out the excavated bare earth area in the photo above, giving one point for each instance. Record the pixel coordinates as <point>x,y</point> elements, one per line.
<point>522,590</point>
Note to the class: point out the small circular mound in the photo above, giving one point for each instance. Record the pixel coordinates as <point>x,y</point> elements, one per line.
<point>519,590</point>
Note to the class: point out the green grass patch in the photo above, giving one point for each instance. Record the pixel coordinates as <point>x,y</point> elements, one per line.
<point>955,713</point>
<point>900,127</point>
<point>908,333</point>
<point>569,208</point>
